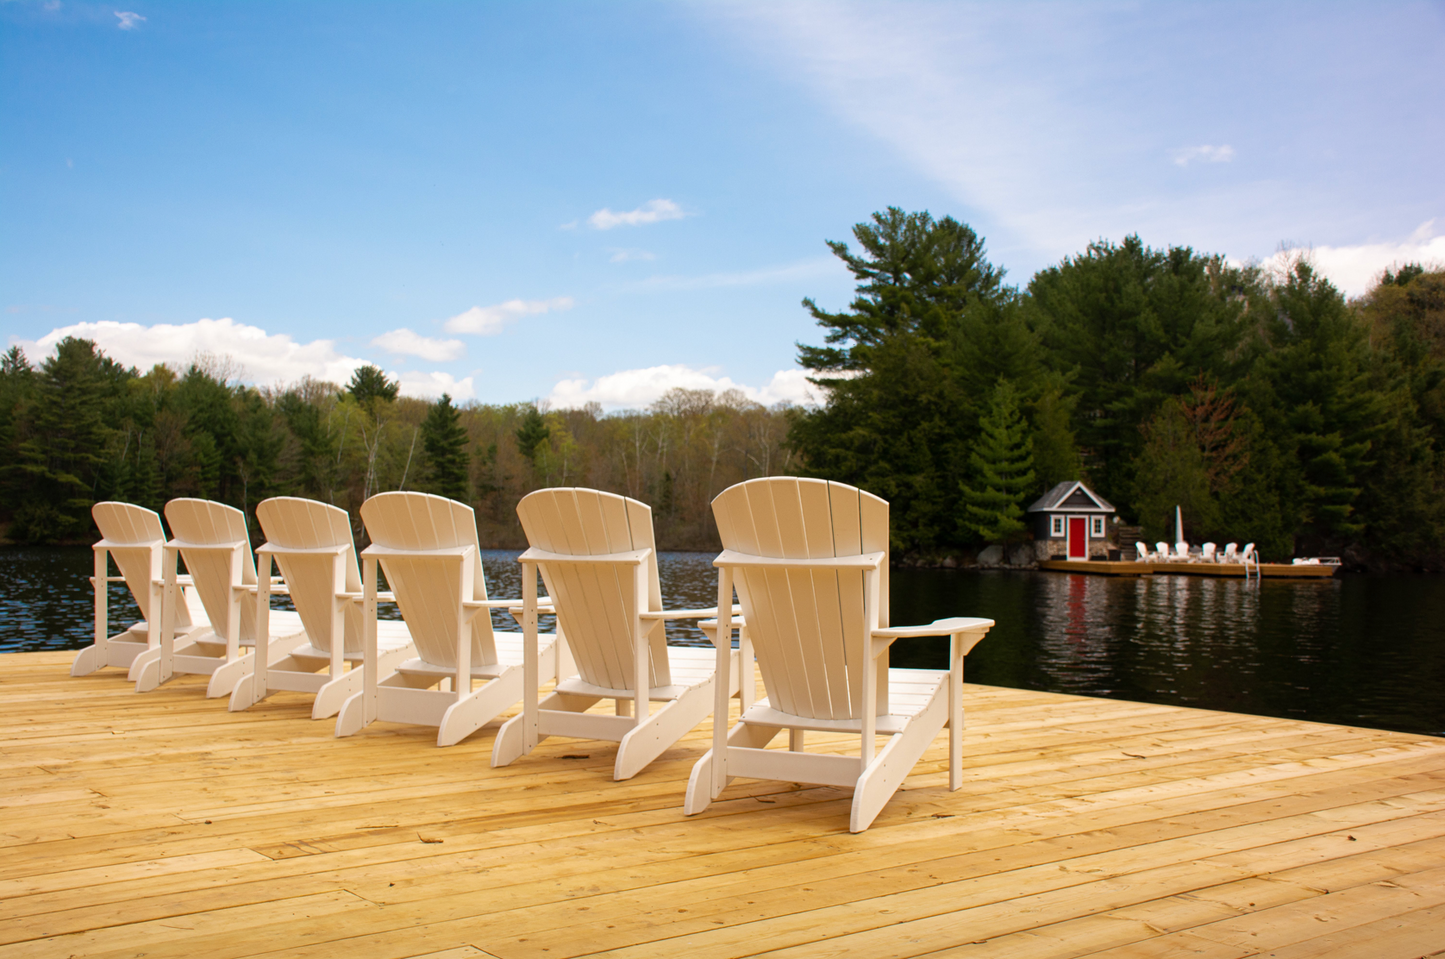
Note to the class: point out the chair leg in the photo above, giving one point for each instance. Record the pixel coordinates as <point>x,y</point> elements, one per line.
<point>895,761</point>
<point>510,745</point>
<point>86,662</point>
<point>652,738</point>
<point>243,695</point>
<point>699,783</point>
<point>147,673</point>
<point>699,786</point>
<point>351,718</point>
<point>227,675</point>
<point>467,715</point>
<point>139,664</point>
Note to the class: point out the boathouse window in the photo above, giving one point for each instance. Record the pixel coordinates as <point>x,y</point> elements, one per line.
<point>1098,526</point>
<point>1058,526</point>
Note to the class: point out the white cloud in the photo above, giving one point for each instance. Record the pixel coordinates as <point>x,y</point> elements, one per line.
<point>653,211</point>
<point>624,256</point>
<point>1205,154</point>
<point>261,357</point>
<point>128,20</point>
<point>404,342</point>
<point>432,385</point>
<point>1354,269</point>
<point>489,320</point>
<point>635,389</point>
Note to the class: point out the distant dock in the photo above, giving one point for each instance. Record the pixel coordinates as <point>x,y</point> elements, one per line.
<point>1099,567</point>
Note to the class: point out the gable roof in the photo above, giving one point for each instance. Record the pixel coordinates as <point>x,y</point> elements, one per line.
<point>1071,494</point>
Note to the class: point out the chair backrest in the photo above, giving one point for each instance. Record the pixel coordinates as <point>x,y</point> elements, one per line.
<point>1230,549</point>
<point>1181,550</point>
<point>420,524</point>
<point>1162,549</point>
<point>314,578</point>
<point>201,522</point>
<point>595,605</point>
<point>135,540</point>
<point>1207,551</point>
<point>1141,550</point>
<point>808,626</point>
<point>1248,552</point>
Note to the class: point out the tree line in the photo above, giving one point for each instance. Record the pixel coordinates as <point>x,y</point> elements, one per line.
<point>80,428</point>
<point>1263,403</point>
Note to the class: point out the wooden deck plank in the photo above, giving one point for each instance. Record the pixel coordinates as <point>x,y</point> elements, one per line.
<point>162,823</point>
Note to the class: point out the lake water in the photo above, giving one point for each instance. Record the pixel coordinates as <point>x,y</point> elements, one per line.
<point>1355,650</point>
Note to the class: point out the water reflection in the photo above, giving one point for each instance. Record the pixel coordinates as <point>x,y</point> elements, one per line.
<point>1367,651</point>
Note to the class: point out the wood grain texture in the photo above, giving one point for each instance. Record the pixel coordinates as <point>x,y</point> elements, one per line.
<point>165,825</point>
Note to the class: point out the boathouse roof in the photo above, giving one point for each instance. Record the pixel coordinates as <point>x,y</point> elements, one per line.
<point>1071,495</point>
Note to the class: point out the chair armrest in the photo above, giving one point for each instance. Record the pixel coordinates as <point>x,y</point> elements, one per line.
<point>382,597</point>
<point>686,613</point>
<point>504,603</point>
<point>708,625</point>
<point>543,609</point>
<point>884,637</point>
<point>939,627</point>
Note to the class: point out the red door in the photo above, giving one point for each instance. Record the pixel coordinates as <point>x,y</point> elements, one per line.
<point>1078,538</point>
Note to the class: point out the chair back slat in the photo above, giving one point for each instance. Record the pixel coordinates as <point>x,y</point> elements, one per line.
<point>807,625</point>
<point>595,603</point>
<point>314,579</point>
<point>200,522</point>
<point>135,535</point>
<point>425,582</point>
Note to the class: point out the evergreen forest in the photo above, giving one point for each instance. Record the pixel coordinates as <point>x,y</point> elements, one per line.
<point>1265,404</point>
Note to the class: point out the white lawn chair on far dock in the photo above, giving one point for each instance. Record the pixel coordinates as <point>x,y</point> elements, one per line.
<point>212,539</point>
<point>809,559</point>
<point>312,544</point>
<point>132,536</point>
<point>596,554</point>
<point>1231,553</point>
<point>1141,552</point>
<point>428,547</point>
<point>1161,552</point>
<point>1181,552</point>
<point>1206,552</point>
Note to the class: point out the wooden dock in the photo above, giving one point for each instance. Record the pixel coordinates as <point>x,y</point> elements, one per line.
<point>1237,570</point>
<point>162,825</point>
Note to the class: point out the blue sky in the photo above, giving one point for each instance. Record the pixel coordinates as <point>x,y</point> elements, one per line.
<point>585,201</point>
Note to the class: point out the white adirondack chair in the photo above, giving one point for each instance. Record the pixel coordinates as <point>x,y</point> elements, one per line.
<point>1161,552</point>
<point>312,544</point>
<point>133,537</point>
<point>1231,553</point>
<point>1141,551</point>
<point>809,559</point>
<point>1206,552</point>
<point>599,563</point>
<point>1181,551</point>
<point>427,545</point>
<point>212,539</point>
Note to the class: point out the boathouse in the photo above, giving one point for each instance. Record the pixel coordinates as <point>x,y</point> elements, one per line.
<point>1069,517</point>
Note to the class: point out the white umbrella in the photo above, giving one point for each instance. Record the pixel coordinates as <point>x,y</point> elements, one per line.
<point>1178,525</point>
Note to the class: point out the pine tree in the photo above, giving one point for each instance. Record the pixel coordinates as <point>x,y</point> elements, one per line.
<point>1002,467</point>
<point>532,433</point>
<point>1172,471</point>
<point>445,441</point>
<point>369,384</point>
<point>60,460</point>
